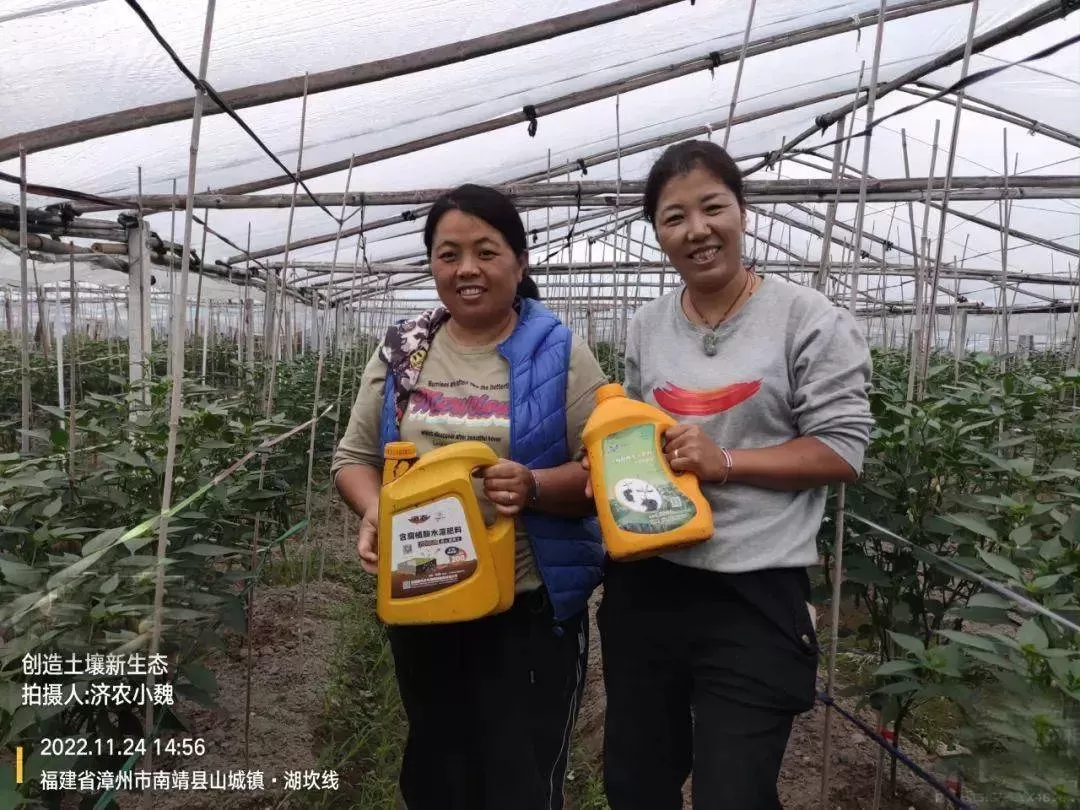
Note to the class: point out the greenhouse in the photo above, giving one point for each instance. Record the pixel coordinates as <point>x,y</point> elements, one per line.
<point>211,213</point>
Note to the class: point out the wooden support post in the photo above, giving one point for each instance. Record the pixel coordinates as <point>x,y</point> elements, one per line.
<point>738,72</point>
<point>139,334</point>
<point>73,350</point>
<point>176,352</point>
<point>205,335</point>
<point>834,640</point>
<point>59,349</point>
<point>24,312</point>
<point>860,208</point>
<point>950,162</point>
<point>249,314</point>
<point>830,213</point>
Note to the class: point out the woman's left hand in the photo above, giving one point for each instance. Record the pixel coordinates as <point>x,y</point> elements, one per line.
<point>509,485</point>
<point>689,449</point>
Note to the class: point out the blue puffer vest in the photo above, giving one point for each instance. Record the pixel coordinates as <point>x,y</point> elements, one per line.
<point>569,557</point>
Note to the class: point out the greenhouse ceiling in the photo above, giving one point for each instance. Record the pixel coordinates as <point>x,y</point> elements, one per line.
<point>380,105</point>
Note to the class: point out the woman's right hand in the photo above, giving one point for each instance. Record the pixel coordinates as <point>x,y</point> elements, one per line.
<point>367,544</point>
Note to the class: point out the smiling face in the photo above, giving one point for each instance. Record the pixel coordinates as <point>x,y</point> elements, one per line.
<point>476,271</point>
<point>699,225</point>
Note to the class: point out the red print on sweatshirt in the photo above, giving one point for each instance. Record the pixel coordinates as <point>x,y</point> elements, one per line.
<point>686,402</point>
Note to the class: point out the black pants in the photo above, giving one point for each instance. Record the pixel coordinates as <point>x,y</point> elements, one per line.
<point>491,706</point>
<point>703,671</point>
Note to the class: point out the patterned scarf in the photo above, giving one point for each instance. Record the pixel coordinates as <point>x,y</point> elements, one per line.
<point>405,348</point>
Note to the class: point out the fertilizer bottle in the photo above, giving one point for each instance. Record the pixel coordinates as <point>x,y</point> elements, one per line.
<point>644,507</point>
<point>438,560</point>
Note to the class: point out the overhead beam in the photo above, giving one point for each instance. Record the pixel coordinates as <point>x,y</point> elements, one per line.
<point>925,89</point>
<point>1047,12</point>
<point>542,109</point>
<point>339,78</point>
<point>601,193</point>
<point>774,266</point>
<point>587,162</point>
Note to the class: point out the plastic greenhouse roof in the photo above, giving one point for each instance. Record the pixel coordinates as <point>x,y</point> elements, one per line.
<point>70,60</point>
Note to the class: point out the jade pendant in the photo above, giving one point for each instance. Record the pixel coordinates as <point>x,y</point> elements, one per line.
<point>710,343</point>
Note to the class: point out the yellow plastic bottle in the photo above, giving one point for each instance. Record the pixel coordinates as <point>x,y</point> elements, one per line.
<point>644,507</point>
<point>438,561</point>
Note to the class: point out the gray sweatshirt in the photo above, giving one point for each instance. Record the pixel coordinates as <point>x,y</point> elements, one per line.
<point>789,364</point>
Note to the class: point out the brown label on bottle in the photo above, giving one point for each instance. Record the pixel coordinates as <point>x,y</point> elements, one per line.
<point>431,548</point>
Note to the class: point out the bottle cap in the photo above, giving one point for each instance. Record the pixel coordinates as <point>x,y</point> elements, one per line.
<point>608,391</point>
<point>399,450</point>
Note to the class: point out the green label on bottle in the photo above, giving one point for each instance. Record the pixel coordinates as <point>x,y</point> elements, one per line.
<point>642,496</point>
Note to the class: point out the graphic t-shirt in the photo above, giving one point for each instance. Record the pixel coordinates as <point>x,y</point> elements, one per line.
<point>788,363</point>
<point>463,394</point>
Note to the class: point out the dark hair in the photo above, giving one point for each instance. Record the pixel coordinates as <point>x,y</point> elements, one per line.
<point>496,209</point>
<point>679,159</point>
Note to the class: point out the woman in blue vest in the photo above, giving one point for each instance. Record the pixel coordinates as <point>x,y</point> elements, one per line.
<point>491,703</point>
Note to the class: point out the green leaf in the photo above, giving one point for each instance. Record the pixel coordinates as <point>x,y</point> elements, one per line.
<point>1031,633</point>
<point>969,640</point>
<point>52,507</point>
<point>233,616</point>
<point>995,660</point>
<point>909,643</point>
<point>1051,549</point>
<point>1047,581</point>
<point>974,523</point>
<point>898,688</point>
<point>11,799</point>
<point>102,540</point>
<point>109,585</point>
<point>988,599</point>
<point>201,678</point>
<point>185,614</point>
<point>1000,564</point>
<point>207,550</point>
<point>895,667</point>
<point>10,696</point>
<point>1021,535</point>
<point>18,573</point>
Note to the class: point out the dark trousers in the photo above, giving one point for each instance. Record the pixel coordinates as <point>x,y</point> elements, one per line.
<point>703,671</point>
<point>491,705</point>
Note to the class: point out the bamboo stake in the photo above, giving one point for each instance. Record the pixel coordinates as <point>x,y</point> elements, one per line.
<point>73,350</point>
<point>1005,213</point>
<point>830,212</point>
<point>738,72</point>
<point>949,163</point>
<point>249,315</point>
<point>834,641</point>
<point>205,336</point>
<point>24,311</point>
<point>920,355</point>
<point>170,272</point>
<point>59,352</point>
<point>177,338</point>
<point>311,438</point>
<point>914,362</point>
<point>198,286</point>
<point>860,208</point>
<point>273,355</point>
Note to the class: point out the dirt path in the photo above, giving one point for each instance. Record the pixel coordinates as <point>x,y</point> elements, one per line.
<point>288,687</point>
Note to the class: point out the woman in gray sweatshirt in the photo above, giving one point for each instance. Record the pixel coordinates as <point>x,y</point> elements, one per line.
<point>710,652</point>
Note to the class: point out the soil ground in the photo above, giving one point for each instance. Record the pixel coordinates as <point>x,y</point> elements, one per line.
<point>289,685</point>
